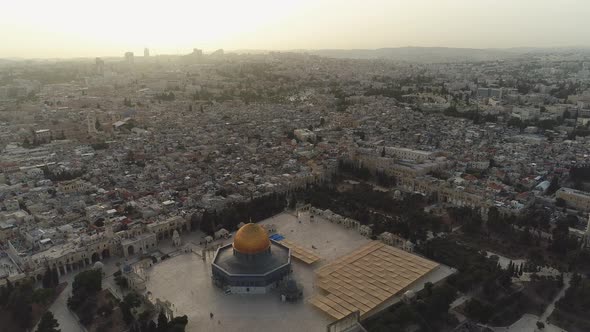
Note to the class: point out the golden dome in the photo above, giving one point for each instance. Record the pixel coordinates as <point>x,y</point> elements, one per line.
<point>251,239</point>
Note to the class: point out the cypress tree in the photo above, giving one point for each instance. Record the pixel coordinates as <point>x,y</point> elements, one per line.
<point>162,322</point>
<point>48,323</point>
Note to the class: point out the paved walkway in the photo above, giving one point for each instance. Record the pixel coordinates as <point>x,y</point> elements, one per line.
<point>528,322</point>
<point>459,301</point>
<point>549,310</point>
<point>505,261</point>
<point>59,308</point>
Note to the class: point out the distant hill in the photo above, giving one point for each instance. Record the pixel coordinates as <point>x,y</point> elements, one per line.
<point>406,54</point>
<point>444,54</point>
<point>6,61</point>
<point>430,54</point>
<point>421,54</point>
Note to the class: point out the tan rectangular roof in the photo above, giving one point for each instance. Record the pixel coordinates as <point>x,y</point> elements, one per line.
<point>300,253</point>
<point>367,277</point>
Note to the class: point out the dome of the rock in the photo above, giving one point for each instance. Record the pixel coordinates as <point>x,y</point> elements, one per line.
<point>251,239</point>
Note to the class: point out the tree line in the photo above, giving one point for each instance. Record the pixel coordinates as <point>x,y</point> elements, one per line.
<point>256,209</point>
<point>18,299</point>
<point>85,303</point>
<point>358,170</point>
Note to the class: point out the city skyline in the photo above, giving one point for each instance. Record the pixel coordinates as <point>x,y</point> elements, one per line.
<point>65,29</point>
<point>295,165</point>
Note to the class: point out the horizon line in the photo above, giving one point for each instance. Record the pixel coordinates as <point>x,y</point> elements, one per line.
<point>299,50</point>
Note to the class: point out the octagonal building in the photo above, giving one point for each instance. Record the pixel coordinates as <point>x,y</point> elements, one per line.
<point>252,264</point>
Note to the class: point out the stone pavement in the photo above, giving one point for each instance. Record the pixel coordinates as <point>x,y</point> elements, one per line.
<point>185,281</point>
<point>549,310</point>
<point>67,321</point>
<point>528,323</point>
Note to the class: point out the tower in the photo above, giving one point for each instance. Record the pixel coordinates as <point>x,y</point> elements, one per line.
<point>197,52</point>
<point>129,58</point>
<point>99,66</point>
<point>91,123</point>
<point>176,239</point>
<point>108,229</point>
<point>146,52</point>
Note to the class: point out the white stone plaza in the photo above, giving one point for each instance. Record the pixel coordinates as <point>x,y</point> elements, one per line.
<point>185,281</point>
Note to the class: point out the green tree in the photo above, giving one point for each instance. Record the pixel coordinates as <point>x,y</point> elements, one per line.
<point>84,289</point>
<point>478,311</point>
<point>562,242</point>
<point>126,312</point>
<point>47,280</point>
<point>553,186</point>
<point>495,221</point>
<point>54,277</point>
<point>89,281</point>
<point>87,310</point>
<point>178,324</point>
<point>19,299</point>
<point>152,327</point>
<point>428,287</point>
<point>129,302</point>
<point>121,282</point>
<point>48,323</point>
<point>132,299</point>
<point>162,322</point>
<point>42,295</point>
<point>547,124</point>
<point>5,292</point>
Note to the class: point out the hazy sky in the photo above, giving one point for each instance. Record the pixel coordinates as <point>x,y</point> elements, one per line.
<point>65,28</point>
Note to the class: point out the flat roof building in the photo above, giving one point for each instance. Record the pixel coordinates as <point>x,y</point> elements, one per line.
<point>366,279</point>
<point>574,198</point>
